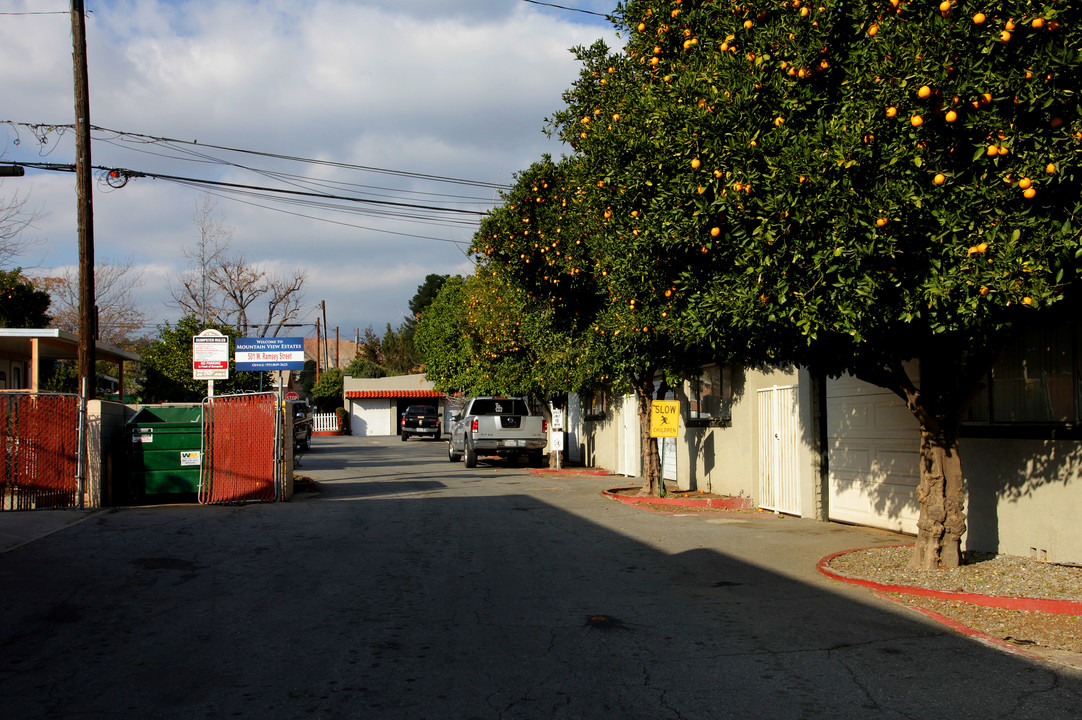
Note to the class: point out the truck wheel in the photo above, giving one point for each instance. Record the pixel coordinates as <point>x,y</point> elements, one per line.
<point>436,437</point>
<point>451,454</point>
<point>405,437</point>
<point>471,456</point>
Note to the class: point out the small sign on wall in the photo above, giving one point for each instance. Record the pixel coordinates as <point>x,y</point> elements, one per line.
<point>190,458</point>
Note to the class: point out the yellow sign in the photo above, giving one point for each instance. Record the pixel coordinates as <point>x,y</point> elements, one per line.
<point>664,418</point>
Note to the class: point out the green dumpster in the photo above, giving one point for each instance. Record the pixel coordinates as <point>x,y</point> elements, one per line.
<point>164,452</point>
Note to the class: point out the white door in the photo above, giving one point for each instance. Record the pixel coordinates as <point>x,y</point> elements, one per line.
<point>573,424</point>
<point>628,454</point>
<point>371,417</point>
<point>874,454</point>
<point>779,427</point>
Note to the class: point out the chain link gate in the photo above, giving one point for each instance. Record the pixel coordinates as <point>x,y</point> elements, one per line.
<point>242,449</point>
<point>40,435</point>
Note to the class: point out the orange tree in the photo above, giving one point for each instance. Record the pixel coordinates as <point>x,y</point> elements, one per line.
<point>581,250</point>
<point>865,184</point>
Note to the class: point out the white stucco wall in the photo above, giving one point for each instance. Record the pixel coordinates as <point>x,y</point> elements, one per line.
<point>725,459</point>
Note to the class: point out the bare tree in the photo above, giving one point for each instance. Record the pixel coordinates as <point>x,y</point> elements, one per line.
<point>194,291</point>
<point>15,217</point>
<point>285,301</point>
<point>239,285</point>
<point>222,286</point>
<point>119,318</point>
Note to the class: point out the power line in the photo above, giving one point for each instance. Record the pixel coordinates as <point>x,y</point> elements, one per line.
<point>278,156</point>
<point>122,175</point>
<point>574,10</point>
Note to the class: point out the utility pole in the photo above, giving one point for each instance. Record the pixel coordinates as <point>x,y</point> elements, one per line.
<point>326,336</point>
<point>319,350</point>
<point>84,193</point>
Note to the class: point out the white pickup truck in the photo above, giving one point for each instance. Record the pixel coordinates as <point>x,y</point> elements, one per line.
<point>497,426</point>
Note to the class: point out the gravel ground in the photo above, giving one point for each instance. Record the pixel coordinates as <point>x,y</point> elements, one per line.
<point>984,574</point>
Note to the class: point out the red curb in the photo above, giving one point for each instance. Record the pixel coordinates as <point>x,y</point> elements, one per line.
<point>963,629</point>
<point>1058,607</point>
<point>597,473</point>
<point>715,503</point>
<point>326,433</point>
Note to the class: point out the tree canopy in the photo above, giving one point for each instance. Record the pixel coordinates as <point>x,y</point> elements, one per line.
<point>864,183</point>
<point>23,306</point>
<point>167,365</point>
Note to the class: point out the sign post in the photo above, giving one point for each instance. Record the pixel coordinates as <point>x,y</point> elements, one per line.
<point>664,423</point>
<point>558,433</point>
<point>210,358</point>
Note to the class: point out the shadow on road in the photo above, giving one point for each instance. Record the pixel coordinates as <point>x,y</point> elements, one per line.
<point>468,602</point>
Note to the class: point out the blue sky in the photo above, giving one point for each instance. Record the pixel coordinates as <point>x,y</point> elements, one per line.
<point>435,87</point>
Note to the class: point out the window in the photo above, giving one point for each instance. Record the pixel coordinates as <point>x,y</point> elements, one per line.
<point>1035,380</point>
<point>710,395</point>
<point>594,405</point>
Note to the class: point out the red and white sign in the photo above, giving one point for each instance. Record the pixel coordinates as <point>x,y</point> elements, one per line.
<point>210,356</point>
<point>292,396</point>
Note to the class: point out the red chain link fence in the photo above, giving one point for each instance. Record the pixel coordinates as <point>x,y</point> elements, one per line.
<point>39,434</point>
<point>241,449</point>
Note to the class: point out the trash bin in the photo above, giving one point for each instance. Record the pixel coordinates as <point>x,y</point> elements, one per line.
<point>164,452</point>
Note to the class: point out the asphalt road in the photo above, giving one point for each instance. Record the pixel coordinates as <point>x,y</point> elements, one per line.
<point>411,587</point>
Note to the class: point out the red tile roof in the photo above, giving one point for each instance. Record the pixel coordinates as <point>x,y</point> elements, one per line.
<point>354,394</point>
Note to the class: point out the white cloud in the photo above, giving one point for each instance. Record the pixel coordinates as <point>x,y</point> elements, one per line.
<point>440,87</point>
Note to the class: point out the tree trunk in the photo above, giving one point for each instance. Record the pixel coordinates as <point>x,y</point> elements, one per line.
<point>942,521</point>
<point>651,460</point>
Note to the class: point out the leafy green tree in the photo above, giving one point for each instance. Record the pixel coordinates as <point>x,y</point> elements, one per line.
<point>167,364</point>
<point>426,293</point>
<point>362,367</point>
<point>23,306</point>
<point>867,183</point>
<point>327,392</point>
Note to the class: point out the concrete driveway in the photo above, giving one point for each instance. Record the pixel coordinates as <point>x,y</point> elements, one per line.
<point>411,587</point>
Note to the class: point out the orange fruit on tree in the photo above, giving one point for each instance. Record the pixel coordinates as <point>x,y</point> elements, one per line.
<point>939,179</point>
<point>1030,193</point>
<point>1057,121</point>
<point>872,30</point>
<point>892,111</point>
<point>1037,23</point>
<point>714,232</point>
<point>992,151</point>
<point>642,26</point>
<point>979,18</point>
<point>916,121</point>
<point>1024,183</point>
<point>881,221</point>
<point>1010,25</point>
<point>695,163</point>
<point>924,92</point>
<point>945,6</point>
<point>951,116</point>
<point>1050,168</point>
<point>1027,300</point>
<point>982,248</point>
<point>1004,37</point>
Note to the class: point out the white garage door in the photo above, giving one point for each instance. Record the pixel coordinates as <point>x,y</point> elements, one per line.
<point>874,455</point>
<point>371,416</point>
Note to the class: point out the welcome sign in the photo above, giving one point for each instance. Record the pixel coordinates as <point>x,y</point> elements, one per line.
<point>269,354</point>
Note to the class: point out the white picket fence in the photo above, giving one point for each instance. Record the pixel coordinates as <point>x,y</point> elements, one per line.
<point>323,422</point>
